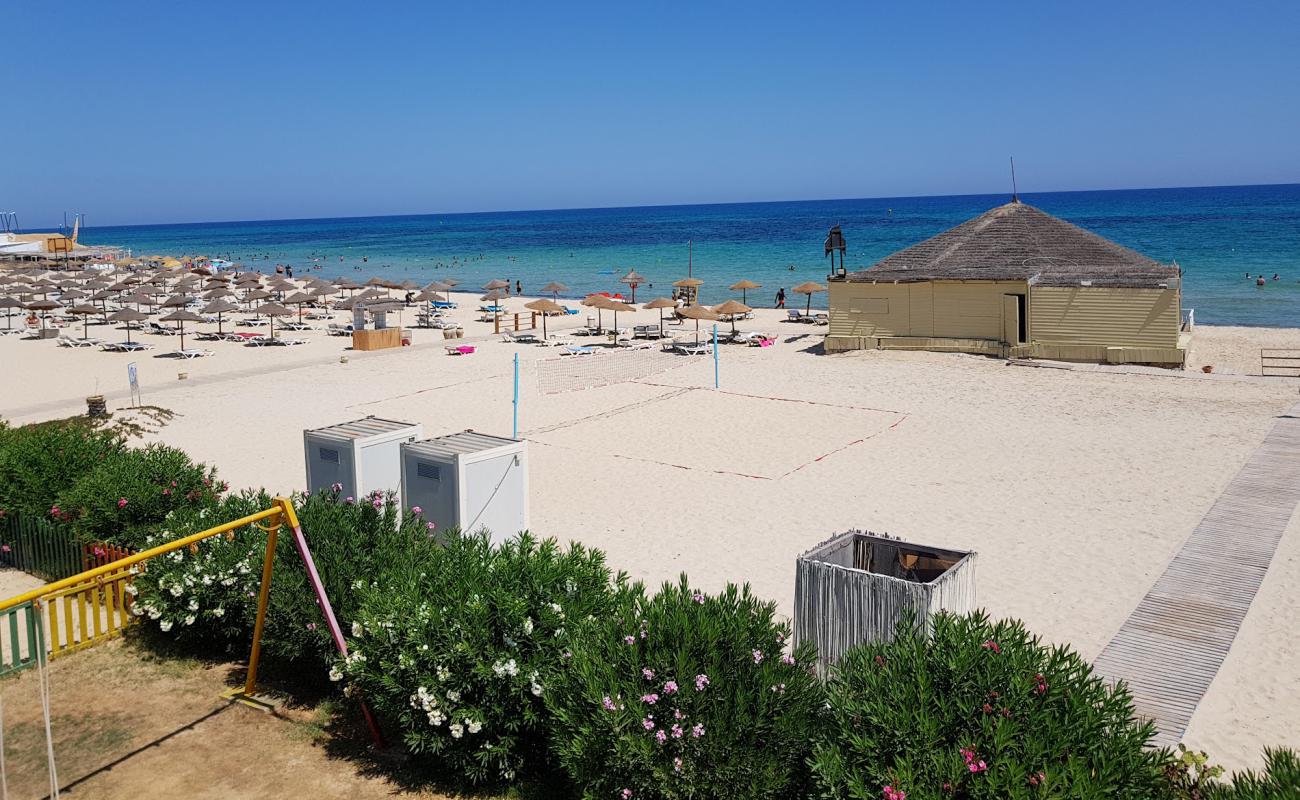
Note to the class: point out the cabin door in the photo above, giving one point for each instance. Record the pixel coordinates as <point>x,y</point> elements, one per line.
<point>1013,318</point>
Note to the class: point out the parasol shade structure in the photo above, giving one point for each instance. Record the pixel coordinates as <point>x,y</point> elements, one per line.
<point>744,286</point>
<point>555,287</point>
<point>732,308</point>
<point>633,279</point>
<point>546,307</point>
<point>809,288</point>
<point>7,303</point>
<point>690,289</point>
<point>273,310</point>
<point>661,303</point>
<point>180,318</point>
<point>596,301</point>
<point>43,305</point>
<point>128,316</point>
<point>616,306</point>
<point>219,307</point>
<point>496,284</point>
<point>85,312</point>
<point>299,299</point>
<point>697,313</point>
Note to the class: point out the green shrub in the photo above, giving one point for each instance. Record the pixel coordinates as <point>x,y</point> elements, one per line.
<point>979,710</point>
<point>683,695</point>
<point>208,599</point>
<point>129,493</point>
<point>1280,780</point>
<point>39,462</point>
<point>456,647</point>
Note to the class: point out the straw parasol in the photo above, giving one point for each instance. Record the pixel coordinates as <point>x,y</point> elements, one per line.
<point>43,305</point>
<point>733,308</point>
<point>273,310</point>
<point>496,284</point>
<point>494,295</point>
<point>177,301</point>
<point>617,306</point>
<point>546,307</point>
<point>698,312</point>
<point>633,279</point>
<point>299,299</point>
<point>661,303</point>
<point>692,285</point>
<point>439,286</point>
<point>9,302</point>
<point>744,286</point>
<point>182,317</point>
<point>596,301</point>
<point>808,289</point>
<point>128,316</point>
<point>219,307</point>
<point>84,311</point>
<point>555,287</point>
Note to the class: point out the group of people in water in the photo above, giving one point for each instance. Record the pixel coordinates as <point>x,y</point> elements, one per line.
<point>1259,279</point>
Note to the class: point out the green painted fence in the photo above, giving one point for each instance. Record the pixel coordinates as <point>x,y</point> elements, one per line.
<point>39,547</point>
<point>21,638</point>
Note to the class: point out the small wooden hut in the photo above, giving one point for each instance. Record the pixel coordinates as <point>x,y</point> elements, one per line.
<point>855,587</point>
<point>1014,282</point>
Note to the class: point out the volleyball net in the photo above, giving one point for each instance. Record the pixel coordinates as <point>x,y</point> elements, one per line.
<point>599,366</point>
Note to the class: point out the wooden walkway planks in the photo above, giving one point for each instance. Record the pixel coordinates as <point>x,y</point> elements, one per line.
<point>1172,645</point>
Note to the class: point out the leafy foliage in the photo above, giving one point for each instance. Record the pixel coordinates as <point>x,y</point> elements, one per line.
<point>457,645</point>
<point>979,710</point>
<point>684,695</point>
<point>1280,780</point>
<point>38,462</point>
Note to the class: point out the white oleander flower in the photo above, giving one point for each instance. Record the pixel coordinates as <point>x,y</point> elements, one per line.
<point>357,630</point>
<point>457,730</point>
<point>218,612</point>
<point>194,604</point>
<point>153,612</point>
<point>137,611</point>
<point>528,625</point>
<point>189,619</point>
<point>130,589</point>
<point>473,725</point>
<point>443,672</point>
<point>165,625</point>
<point>336,674</point>
<point>177,590</point>
<point>453,696</point>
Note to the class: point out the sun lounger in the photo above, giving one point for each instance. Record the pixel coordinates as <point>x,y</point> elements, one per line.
<point>578,350</point>
<point>162,330</point>
<point>821,319</point>
<point>795,315</point>
<point>274,341</point>
<point>252,323</point>
<point>693,348</point>
<point>442,304</point>
<point>295,326</point>
<point>125,347</point>
<point>10,331</point>
<point>210,336</point>
<point>520,337</point>
<point>334,329</point>
<point>191,352</point>
<point>459,349</point>
<point>72,341</point>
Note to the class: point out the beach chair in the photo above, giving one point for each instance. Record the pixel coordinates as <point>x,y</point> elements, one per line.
<point>794,315</point>
<point>459,349</point>
<point>334,329</point>
<point>821,319</point>
<point>161,330</point>
<point>125,347</point>
<point>693,348</point>
<point>442,304</point>
<point>72,341</point>
<point>191,352</point>
<point>520,337</point>
<point>295,326</point>
<point>275,341</point>
<point>210,336</point>
<point>578,350</point>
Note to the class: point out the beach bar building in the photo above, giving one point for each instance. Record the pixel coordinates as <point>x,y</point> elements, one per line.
<point>1014,282</point>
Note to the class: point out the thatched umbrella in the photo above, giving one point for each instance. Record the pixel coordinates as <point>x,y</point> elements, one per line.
<point>439,286</point>
<point>496,284</point>
<point>84,311</point>
<point>273,310</point>
<point>180,318</point>
<point>43,305</point>
<point>177,301</point>
<point>256,294</point>
<point>555,287</point>
<point>219,307</point>
<point>733,308</point>
<point>633,279</point>
<point>617,306</point>
<point>299,299</point>
<point>698,312</point>
<point>693,286</point>
<point>494,295</point>
<point>386,306</point>
<point>661,303</point>
<point>72,294</point>
<point>128,316</point>
<point>596,301</point>
<point>808,289</point>
<point>6,303</point>
<point>546,307</point>
<point>744,286</point>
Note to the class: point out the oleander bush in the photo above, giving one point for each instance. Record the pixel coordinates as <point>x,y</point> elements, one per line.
<point>687,695</point>
<point>1280,780</point>
<point>205,597</point>
<point>129,492</point>
<point>979,709</point>
<point>457,647</point>
<point>39,462</point>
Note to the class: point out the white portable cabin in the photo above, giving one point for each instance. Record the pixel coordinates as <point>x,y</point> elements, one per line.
<point>468,480</point>
<point>362,455</point>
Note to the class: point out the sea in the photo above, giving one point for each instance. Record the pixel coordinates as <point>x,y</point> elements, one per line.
<point>1223,237</point>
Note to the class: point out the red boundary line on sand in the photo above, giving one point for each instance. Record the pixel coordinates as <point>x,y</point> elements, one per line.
<point>830,453</point>
<point>663,463</point>
<point>772,397</point>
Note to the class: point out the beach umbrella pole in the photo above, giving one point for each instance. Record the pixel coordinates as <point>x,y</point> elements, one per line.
<point>514,424</point>
<point>715,356</point>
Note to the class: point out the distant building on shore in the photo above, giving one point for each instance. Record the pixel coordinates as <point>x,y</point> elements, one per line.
<point>1013,282</point>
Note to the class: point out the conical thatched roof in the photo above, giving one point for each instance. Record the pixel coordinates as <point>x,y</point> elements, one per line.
<point>1017,242</point>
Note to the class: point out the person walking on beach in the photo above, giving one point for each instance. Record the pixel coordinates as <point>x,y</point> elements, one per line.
<point>780,297</point>
<point>519,288</point>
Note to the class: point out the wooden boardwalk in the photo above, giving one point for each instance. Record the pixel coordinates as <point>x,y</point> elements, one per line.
<point>1172,645</point>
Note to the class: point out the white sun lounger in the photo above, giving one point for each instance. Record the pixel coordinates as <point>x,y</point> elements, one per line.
<point>72,341</point>
<point>125,347</point>
<point>278,341</point>
<point>334,329</point>
<point>191,352</point>
<point>578,350</point>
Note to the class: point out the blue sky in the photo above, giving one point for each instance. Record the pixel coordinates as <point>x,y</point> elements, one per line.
<point>139,112</point>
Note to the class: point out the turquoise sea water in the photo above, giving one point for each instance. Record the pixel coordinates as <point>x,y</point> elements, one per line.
<point>1216,234</point>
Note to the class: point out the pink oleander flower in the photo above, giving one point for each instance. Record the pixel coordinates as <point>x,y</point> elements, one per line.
<point>698,730</point>
<point>677,765</point>
<point>978,766</point>
<point>607,703</point>
<point>661,737</point>
<point>648,723</point>
<point>758,656</point>
<point>311,626</point>
<point>121,502</point>
<point>417,510</point>
<point>967,754</point>
<point>697,597</point>
<point>786,658</point>
<point>430,525</point>
<point>890,793</point>
<point>349,500</point>
<point>650,699</point>
<point>626,794</point>
<point>991,645</point>
<point>338,487</point>
<point>701,681</point>
<point>648,673</point>
<point>677,731</point>
<point>4,548</point>
<point>629,639</point>
<point>166,492</point>
<point>677,714</point>
<point>670,687</point>
<point>377,502</point>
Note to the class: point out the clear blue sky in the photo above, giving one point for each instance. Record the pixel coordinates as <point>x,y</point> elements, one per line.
<point>166,112</point>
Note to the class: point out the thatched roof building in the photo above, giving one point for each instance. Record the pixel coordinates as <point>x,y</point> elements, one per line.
<point>1014,281</point>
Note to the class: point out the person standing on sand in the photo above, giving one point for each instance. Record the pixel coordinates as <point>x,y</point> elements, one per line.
<point>780,297</point>
<point>519,288</point>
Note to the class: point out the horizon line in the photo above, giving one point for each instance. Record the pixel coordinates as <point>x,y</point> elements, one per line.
<point>669,205</point>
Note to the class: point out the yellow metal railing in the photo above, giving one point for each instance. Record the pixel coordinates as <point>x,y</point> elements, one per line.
<point>94,606</point>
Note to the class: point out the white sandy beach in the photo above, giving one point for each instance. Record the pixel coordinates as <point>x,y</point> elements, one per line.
<point>1075,486</point>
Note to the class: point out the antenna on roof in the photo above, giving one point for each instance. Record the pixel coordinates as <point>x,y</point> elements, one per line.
<point>1015,197</point>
